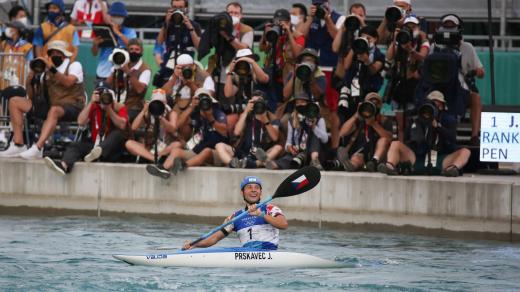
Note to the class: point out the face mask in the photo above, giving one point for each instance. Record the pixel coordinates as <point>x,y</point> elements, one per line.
<point>295,20</point>
<point>118,20</point>
<point>371,45</point>
<point>236,20</point>
<point>9,32</point>
<point>52,16</point>
<point>416,34</point>
<point>134,57</point>
<point>57,60</point>
<point>24,20</point>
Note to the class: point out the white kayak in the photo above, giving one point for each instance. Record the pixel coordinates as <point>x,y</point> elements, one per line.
<point>230,258</point>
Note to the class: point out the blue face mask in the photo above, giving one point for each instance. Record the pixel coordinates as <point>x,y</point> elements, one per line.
<point>51,16</point>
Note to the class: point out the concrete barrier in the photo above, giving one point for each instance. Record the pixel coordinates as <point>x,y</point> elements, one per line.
<point>481,206</point>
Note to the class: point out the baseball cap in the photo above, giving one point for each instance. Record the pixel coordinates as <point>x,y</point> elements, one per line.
<point>250,180</point>
<point>184,59</point>
<point>411,19</point>
<point>452,18</point>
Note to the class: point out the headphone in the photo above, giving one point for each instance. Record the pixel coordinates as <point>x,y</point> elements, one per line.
<point>461,23</point>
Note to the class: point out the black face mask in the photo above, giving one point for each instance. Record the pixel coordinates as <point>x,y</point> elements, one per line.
<point>57,60</point>
<point>134,57</point>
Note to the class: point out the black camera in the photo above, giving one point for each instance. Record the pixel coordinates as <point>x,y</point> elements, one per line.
<point>448,36</point>
<point>393,15</point>
<point>156,108</point>
<point>259,107</point>
<point>305,71</point>
<point>360,46</point>
<point>242,68</point>
<point>205,103</point>
<point>187,73</point>
<point>299,160</point>
<point>367,110</point>
<point>352,23</point>
<point>321,11</point>
<point>404,36</point>
<point>236,108</point>
<point>427,112</point>
<point>177,18</point>
<point>273,34</point>
<point>38,66</point>
<point>106,97</point>
<point>310,111</point>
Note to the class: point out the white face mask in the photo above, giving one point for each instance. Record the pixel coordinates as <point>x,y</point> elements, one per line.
<point>9,32</point>
<point>24,20</point>
<point>295,20</point>
<point>118,20</point>
<point>236,20</point>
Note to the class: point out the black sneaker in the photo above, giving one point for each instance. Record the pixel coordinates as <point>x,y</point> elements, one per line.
<point>261,155</point>
<point>178,165</point>
<point>55,166</point>
<point>238,163</point>
<point>157,170</point>
<point>372,165</point>
<point>387,169</point>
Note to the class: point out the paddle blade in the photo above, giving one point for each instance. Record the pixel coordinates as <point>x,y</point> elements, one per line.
<point>301,181</point>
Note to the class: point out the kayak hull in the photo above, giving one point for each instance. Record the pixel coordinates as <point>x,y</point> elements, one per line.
<point>230,258</point>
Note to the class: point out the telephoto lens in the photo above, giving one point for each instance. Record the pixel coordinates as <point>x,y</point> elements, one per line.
<point>394,14</point>
<point>367,110</point>
<point>259,107</point>
<point>313,110</point>
<point>320,12</point>
<point>427,112</point>
<point>242,68</point>
<point>187,73</point>
<point>105,96</point>
<point>360,46</point>
<point>38,66</point>
<point>304,71</point>
<point>299,160</point>
<point>273,34</point>
<point>177,18</point>
<point>404,36</point>
<point>352,23</point>
<point>156,108</point>
<point>205,102</point>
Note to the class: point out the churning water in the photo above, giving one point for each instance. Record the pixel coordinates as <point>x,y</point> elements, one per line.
<point>75,254</point>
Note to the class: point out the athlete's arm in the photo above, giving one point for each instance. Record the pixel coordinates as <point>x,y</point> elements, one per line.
<point>277,221</point>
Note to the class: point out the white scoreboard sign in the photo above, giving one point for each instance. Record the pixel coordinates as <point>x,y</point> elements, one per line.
<point>500,137</point>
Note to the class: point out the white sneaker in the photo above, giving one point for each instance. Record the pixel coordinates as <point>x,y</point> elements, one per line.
<point>94,154</point>
<point>32,153</point>
<point>13,151</point>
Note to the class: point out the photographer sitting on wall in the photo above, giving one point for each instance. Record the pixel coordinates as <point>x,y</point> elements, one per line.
<point>161,135</point>
<point>305,136</point>
<point>56,91</point>
<point>243,76</point>
<point>370,134</point>
<point>209,128</point>
<point>107,119</point>
<point>406,55</point>
<point>431,146</point>
<point>359,71</point>
<point>256,135</point>
<point>180,35</point>
<point>130,77</point>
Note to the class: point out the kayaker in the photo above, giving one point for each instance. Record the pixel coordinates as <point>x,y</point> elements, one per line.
<point>260,229</point>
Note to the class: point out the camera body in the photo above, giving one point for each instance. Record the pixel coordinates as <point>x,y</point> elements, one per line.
<point>309,111</point>
<point>119,58</point>
<point>450,37</point>
<point>321,11</point>
<point>427,112</point>
<point>299,160</point>
<point>305,71</point>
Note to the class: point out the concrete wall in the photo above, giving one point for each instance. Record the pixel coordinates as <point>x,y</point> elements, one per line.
<point>484,207</point>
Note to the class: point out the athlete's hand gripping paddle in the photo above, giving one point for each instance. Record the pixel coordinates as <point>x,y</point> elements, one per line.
<point>297,183</point>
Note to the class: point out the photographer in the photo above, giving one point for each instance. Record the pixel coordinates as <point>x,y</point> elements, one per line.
<point>298,17</point>
<point>161,135</point>
<point>394,18</point>
<point>257,134</point>
<point>282,45</point>
<point>55,28</point>
<point>107,119</point>
<point>307,77</point>
<point>431,146</point>
<point>180,35</point>
<point>406,55</point>
<point>321,29</point>
<point>470,67</point>
<point>305,136</point>
<point>123,35</point>
<point>130,77</point>
<point>369,133</point>
<point>208,124</point>
<point>88,13</point>
<point>12,67</point>
<point>243,76</point>
<point>56,92</point>
<point>359,72</point>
